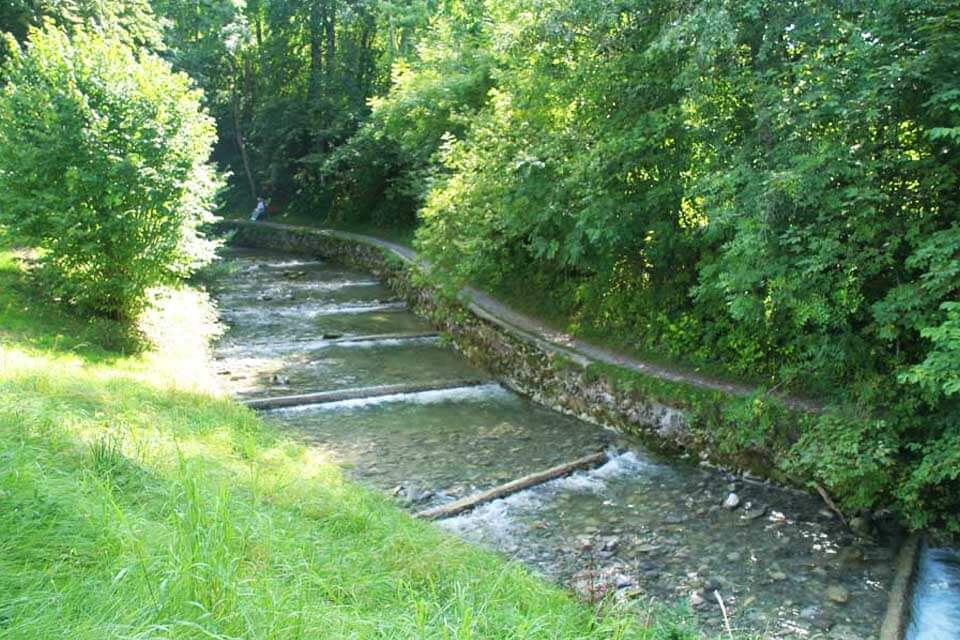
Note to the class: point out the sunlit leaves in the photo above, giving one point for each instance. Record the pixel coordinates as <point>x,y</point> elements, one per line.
<point>103,166</point>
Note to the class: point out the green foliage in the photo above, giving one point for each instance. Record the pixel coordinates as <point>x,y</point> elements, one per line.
<point>132,21</point>
<point>766,188</point>
<point>852,456</point>
<point>383,172</point>
<point>938,374</point>
<point>103,168</point>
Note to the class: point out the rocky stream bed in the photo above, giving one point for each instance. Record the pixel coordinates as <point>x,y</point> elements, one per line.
<point>640,526</point>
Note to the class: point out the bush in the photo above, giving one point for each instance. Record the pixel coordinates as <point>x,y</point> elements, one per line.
<point>103,167</point>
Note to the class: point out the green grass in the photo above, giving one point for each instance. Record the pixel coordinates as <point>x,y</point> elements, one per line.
<point>138,501</point>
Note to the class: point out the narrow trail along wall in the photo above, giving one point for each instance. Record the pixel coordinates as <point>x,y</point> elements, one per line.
<point>667,410</point>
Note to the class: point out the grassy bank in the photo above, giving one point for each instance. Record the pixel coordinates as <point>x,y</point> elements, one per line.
<point>139,502</point>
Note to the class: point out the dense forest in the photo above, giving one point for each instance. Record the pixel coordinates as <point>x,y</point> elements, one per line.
<point>762,189</point>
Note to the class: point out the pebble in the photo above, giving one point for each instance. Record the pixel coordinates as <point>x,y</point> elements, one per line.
<point>850,556</point>
<point>734,556</point>
<point>647,548</point>
<point>622,581</point>
<point>838,594</point>
<point>732,502</point>
<point>809,613</point>
<point>696,599</point>
<point>755,512</point>
<point>714,583</point>
<point>860,526</point>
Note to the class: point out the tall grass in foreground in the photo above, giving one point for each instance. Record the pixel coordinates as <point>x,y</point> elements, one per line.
<point>137,502</point>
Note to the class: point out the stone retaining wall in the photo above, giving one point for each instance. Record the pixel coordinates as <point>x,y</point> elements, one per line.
<point>545,373</point>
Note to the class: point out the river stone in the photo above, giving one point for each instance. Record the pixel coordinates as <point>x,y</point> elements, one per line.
<point>850,556</point>
<point>844,632</point>
<point>755,512</point>
<point>838,594</point>
<point>622,581</point>
<point>732,502</point>
<point>860,526</point>
<point>714,583</point>
<point>811,612</point>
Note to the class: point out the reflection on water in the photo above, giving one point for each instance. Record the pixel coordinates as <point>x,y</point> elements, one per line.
<point>639,526</point>
<point>936,596</point>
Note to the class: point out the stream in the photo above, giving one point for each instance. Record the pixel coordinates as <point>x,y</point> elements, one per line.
<point>640,526</point>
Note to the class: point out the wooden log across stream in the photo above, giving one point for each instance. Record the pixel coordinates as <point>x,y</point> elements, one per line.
<point>324,397</point>
<point>386,336</point>
<point>526,482</point>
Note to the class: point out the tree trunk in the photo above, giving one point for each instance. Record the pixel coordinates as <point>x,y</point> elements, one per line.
<point>238,133</point>
<point>316,24</point>
<point>330,27</point>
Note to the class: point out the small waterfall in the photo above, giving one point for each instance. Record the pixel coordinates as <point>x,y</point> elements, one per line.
<point>460,394</point>
<point>935,607</point>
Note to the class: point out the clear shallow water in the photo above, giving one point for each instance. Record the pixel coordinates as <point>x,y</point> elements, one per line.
<point>284,316</point>
<point>442,445</point>
<point>936,596</point>
<point>639,526</point>
<point>343,366</point>
<point>657,530</point>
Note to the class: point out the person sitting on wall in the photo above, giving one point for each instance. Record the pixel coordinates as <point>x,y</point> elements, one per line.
<point>259,210</point>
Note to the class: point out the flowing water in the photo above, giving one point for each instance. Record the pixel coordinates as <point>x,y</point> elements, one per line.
<point>936,596</point>
<point>640,526</point>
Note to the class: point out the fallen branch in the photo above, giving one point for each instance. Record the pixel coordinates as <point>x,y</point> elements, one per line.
<point>532,480</point>
<point>833,507</point>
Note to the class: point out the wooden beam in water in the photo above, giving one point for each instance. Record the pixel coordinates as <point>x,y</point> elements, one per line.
<point>339,395</point>
<point>526,482</point>
<point>385,336</point>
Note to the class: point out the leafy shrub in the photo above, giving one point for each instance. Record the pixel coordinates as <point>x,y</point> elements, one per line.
<point>103,167</point>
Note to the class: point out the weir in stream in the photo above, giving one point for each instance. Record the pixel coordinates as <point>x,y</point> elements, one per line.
<point>936,596</point>
<point>639,526</point>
